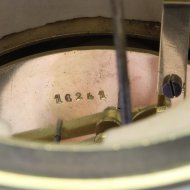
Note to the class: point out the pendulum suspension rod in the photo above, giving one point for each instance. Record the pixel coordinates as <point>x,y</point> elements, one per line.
<point>120,44</point>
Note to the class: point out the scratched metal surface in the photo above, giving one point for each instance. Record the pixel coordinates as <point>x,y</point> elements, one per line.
<point>38,91</point>
<point>174,45</point>
<point>26,15</point>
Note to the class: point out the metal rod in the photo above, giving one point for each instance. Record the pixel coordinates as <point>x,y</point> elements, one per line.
<point>120,44</point>
<point>75,128</point>
<point>58,133</point>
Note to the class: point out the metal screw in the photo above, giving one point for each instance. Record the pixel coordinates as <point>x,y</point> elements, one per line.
<point>172,86</point>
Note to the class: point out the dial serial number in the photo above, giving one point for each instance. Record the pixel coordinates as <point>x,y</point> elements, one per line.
<point>78,96</point>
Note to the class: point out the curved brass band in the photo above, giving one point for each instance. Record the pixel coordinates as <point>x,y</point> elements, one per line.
<point>87,26</point>
<point>157,179</point>
<point>177,2</point>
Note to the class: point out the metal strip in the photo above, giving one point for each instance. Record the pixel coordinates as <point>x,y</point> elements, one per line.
<point>174,44</point>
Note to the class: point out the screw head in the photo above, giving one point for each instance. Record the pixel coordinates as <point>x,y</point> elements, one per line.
<point>172,86</point>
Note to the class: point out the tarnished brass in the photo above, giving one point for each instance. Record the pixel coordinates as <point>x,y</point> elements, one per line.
<point>93,124</point>
<point>89,70</point>
<point>143,113</point>
<point>52,85</point>
<point>85,26</point>
<point>110,119</point>
<point>83,126</point>
<point>54,162</point>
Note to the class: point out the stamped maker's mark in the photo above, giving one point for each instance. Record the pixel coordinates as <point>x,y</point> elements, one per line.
<point>78,97</point>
